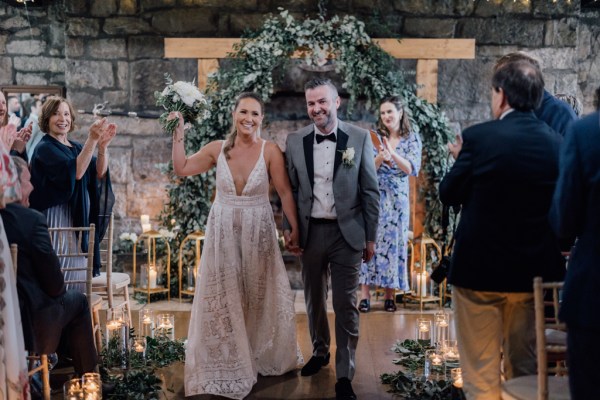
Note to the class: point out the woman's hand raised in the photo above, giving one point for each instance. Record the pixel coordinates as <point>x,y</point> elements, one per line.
<point>97,129</point>
<point>107,136</point>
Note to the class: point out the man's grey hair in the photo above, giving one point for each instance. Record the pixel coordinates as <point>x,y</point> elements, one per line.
<point>315,83</point>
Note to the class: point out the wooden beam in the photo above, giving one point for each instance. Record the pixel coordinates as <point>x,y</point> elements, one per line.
<point>206,67</point>
<point>427,80</point>
<point>405,48</point>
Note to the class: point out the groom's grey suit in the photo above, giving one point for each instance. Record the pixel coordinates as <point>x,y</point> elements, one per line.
<point>334,247</point>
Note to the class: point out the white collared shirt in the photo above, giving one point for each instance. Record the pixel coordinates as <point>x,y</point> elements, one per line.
<point>505,113</point>
<point>323,160</point>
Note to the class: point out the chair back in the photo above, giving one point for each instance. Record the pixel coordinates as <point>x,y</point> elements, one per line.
<point>76,265</point>
<point>544,323</point>
<point>106,256</point>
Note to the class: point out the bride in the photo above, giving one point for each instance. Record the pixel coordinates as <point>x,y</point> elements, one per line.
<point>243,319</point>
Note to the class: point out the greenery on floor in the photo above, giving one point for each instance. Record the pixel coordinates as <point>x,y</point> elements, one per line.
<point>138,379</point>
<point>409,382</point>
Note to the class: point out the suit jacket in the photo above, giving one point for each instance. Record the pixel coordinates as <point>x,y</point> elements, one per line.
<point>504,178</point>
<point>355,189</point>
<point>556,113</point>
<point>576,212</point>
<point>40,283</point>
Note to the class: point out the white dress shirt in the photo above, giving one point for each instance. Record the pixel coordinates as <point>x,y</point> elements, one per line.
<point>323,159</point>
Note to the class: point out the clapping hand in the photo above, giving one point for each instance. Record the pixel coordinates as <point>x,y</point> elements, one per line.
<point>97,129</point>
<point>8,135</point>
<point>454,148</point>
<point>22,137</point>
<point>107,136</point>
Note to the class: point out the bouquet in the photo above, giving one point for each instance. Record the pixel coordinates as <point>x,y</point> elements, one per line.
<point>184,97</point>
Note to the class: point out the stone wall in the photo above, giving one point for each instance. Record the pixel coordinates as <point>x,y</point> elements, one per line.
<point>112,50</point>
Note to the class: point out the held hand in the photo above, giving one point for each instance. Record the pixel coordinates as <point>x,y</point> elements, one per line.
<point>291,242</point>
<point>97,129</point>
<point>108,135</point>
<point>454,148</point>
<point>369,251</point>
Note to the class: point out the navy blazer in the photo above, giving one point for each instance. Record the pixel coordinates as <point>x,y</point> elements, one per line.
<point>504,178</point>
<point>556,113</point>
<point>576,212</point>
<point>40,282</point>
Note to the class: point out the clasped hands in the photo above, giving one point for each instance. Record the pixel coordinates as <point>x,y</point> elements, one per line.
<point>291,242</point>
<point>385,151</point>
<point>103,132</point>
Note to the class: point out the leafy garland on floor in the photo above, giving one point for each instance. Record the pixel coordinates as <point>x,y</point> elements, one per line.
<point>367,70</point>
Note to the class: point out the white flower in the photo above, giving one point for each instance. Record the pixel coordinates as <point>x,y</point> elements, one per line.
<point>133,237</point>
<point>189,93</point>
<point>348,157</point>
<point>125,236</point>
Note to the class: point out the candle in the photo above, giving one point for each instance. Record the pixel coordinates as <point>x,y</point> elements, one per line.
<point>152,274</point>
<point>145,219</point>
<point>139,348</point>
<point>424,328</point>
<point>443,324</point>
<point>436,360</point>
<point>113,325</point>
<point>422,283</point>
<point>147,320</point>
<point>146,227</point>
<point>451,354</point>
<point>456,376</point>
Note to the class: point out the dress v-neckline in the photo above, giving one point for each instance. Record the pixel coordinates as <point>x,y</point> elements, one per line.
<point>249,175</point>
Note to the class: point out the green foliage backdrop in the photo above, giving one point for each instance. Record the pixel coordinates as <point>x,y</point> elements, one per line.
<point>368,73</point>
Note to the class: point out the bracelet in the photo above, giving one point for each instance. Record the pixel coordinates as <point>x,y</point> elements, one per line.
<point>178,140</point>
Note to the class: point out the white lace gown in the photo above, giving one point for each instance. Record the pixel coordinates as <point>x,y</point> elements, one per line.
<point>243,319</point>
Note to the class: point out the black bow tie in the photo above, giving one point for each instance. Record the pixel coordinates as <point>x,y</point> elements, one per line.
<point>331,137</point>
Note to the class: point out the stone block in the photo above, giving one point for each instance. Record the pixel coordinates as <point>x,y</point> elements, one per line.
<point>103,49</point>
<point>146,198</point>
<point>147,153</point>
<point>103,8</point>
<point>93,74</point>
<point>177,21</point>
<point>120,164</point>
<point>83,27</point>
<point>435,7</point>
<point>3,40</point>
<point>429,27</point>
<point>29,47</point>
<point>555,58</point>
<point>495,8</point>
<point>121,140</point>
<point>57,79</point>
<point>233,4</point>
<point>503,31</point>
<point>120,207</point>
<point>238,23</point>
<point>295,5</point>
<point>123,75</point>
<point>74,47</point>
<point>145,47</point>
<point>147,76</point>
<point>554,8</point>
<point>560,33</point>
<point>127,7</point>
<point>6,69</point>
<point>565,83</point>
<point>154,4</point>
<point>28,33</point>
<point>117,99</point>
<point>138,126</point>
<point>51,64</point>
<point>12,23</point>
<point>75,6</point>
<point>31,79</point>
<point>125,26</point>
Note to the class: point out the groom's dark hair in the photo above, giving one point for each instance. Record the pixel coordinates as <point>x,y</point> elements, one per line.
<point>315,83</point>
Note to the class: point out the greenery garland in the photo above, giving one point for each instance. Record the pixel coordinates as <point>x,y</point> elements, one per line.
<point>368,72</point>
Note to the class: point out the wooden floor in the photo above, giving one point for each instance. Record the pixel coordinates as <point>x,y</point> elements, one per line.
<point>379,330</point>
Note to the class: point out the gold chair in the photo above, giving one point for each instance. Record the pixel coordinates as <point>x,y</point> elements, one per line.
<point>542,386</point>
<point>111,284</point>
<point>42,358</point>
<point>67,245</point>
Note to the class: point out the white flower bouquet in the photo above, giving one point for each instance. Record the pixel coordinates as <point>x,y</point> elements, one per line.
<point>348,157</point>
<point>127,240</point>
<point>184,97</point>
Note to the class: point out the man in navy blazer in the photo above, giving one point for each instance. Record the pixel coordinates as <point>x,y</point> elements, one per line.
<point>51,315</point>
<point>575,212</point>
<point>503,178</point>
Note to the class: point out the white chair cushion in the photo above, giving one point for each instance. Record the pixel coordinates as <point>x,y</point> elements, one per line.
<point>555,337</point>
<point>96,300</point>
<point>118,279</point>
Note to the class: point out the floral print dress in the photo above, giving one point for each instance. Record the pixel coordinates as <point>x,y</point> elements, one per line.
<point>388,268</point>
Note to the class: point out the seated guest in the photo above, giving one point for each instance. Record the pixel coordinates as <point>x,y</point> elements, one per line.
<point>50,314</point>
<point>503,178</point>
<point>575,212</point>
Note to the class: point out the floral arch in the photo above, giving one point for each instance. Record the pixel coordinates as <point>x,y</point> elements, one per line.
<point>368,72</point>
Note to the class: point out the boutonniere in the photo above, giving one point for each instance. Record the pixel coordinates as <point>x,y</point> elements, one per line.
<point>348,157</point>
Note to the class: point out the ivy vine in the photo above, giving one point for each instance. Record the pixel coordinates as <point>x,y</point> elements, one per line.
<point>368,73</point>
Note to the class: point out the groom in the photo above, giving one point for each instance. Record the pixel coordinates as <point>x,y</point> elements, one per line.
<point>333,177</point>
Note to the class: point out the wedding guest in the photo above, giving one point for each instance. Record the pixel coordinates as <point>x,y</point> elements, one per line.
<point>397,151</point>
<point>51,316</point>
<point>503,178</point>
<point>571,101</point>
<point>556,113</point>
<point>13,138</point>
<point>36,132</point>
<point>575,213</point>
<point>72,187</point>
<point>333,177</point>
<point>243,321</point>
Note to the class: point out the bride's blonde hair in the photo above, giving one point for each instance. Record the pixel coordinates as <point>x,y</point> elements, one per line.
<point>230,138</point>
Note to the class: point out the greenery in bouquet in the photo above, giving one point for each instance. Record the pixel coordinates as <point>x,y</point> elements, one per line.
<point>125,243</point>
<point>184,97</point>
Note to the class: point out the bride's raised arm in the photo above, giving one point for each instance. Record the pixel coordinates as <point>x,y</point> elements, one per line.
<point>199,162</point>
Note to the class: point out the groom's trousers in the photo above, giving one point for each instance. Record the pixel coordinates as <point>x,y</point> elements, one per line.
<point>325,254</point>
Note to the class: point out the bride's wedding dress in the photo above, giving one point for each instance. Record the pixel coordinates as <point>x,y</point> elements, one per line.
<point>243,320</point>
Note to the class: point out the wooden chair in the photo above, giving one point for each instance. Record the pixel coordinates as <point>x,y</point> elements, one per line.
<point>42,358</point>
<point>67,245</point>
<point>542,386</point>
<point>110,284</point>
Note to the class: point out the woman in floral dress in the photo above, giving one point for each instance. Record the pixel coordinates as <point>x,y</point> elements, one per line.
<point>397,151</point>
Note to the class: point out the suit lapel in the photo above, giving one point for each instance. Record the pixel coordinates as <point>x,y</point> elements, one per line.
<point>308,141</point>
<point>340,146</point>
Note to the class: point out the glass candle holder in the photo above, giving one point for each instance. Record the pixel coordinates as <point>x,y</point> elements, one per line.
<point>146,323</point>
<point>117,338</point>
<point>423,331</point>
<point>165,326</point>
<point>433,364</point>
<point>456,377</point>
<point>72,390</point>
<point>191,277</point>
<point>92,386</point>
<point>441,328</point>
<point>137,354</point>
<point>450,352</point>
<point>144,276</point>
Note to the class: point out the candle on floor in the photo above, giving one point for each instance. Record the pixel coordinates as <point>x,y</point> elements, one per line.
<point>456,376</point>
